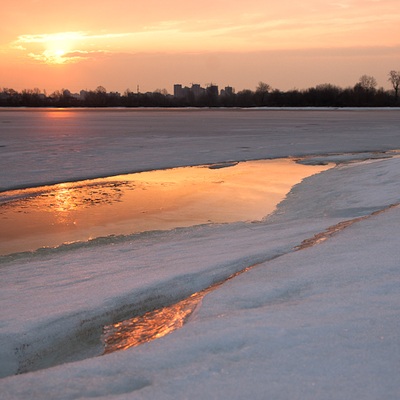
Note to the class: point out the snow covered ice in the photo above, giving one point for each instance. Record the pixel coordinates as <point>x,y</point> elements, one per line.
<point>318,323</point>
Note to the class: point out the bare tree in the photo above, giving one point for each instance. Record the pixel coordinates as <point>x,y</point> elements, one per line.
<point>101,89</point>
<point>367,82</point>
<point>127,92</point>
<point>263,87</point>
<point>262,90</point>
<point>394,79</point>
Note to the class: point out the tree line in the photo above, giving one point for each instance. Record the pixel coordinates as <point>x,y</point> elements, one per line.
<point>363,94</point>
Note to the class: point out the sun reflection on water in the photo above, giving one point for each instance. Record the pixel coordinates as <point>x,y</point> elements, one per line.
<point>50,216</point>
<point>150,326</point>
<point>63,204</point>
<point>59,113</point>
<point>63,199</point>
<point>157,323</point>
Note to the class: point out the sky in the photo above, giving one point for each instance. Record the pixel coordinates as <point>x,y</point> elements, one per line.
<point>126,44</point>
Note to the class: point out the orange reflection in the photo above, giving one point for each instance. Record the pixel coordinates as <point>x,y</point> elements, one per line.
<point>60,113</point>
<point>63,204</point>
<point>152,325</point>
<point>156,200</point>
<point>63,199</point>
<point>155,324</point>
<point>332,230</point>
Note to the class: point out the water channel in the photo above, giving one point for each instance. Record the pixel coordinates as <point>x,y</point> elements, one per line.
<point>50,216</point>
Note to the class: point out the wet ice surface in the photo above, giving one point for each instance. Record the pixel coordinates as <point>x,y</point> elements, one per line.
<point>316,323</point>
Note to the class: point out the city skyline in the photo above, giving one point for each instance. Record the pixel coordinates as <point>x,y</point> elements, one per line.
<point>288,45</point>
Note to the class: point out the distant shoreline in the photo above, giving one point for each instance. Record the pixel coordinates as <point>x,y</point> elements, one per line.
<point>311,108</point>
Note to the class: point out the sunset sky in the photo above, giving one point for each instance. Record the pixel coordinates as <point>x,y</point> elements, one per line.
<point>120,44</point>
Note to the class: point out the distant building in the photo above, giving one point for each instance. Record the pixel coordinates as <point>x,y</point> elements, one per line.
<point>213,90</point>
<point>228,91</point>
<point>178,91</point>
<point>197,90</point>
<point>184,92</point>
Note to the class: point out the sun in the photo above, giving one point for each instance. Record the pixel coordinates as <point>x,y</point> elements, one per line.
<point>59,52</point>
<point>63,47</point>
<point>56,50</point>
<point>52,48</point>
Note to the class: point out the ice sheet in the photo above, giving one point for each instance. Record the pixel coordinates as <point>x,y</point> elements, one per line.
<point>317,323</point>
<point>39,147</point>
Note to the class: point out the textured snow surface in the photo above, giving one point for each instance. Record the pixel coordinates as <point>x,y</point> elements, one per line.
<point>52,146</point>
<point>318,323</point>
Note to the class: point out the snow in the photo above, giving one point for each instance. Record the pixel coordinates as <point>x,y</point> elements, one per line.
<point>315,323</point>
<point>57,146</point>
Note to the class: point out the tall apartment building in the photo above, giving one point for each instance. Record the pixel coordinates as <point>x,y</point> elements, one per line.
<point>178,91</point>
<point>196,90</point>
<point>213,90</point>
<point>228,91</point>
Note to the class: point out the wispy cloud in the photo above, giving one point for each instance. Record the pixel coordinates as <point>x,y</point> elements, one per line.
<point>344,24</point>
<point>65,47</point>
<point>59,57</point>
<point>62,36</point>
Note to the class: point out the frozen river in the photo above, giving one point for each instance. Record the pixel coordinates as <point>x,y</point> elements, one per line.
<point>53,146</point>
<point>316,316</point>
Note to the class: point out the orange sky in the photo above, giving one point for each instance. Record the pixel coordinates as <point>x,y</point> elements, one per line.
<point>120,44</point>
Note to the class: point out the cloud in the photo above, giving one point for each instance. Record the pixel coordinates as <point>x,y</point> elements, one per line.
<point>65,47</point>
<point>59,57</point>
<point>251,31</point>
<point>62,36</point>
